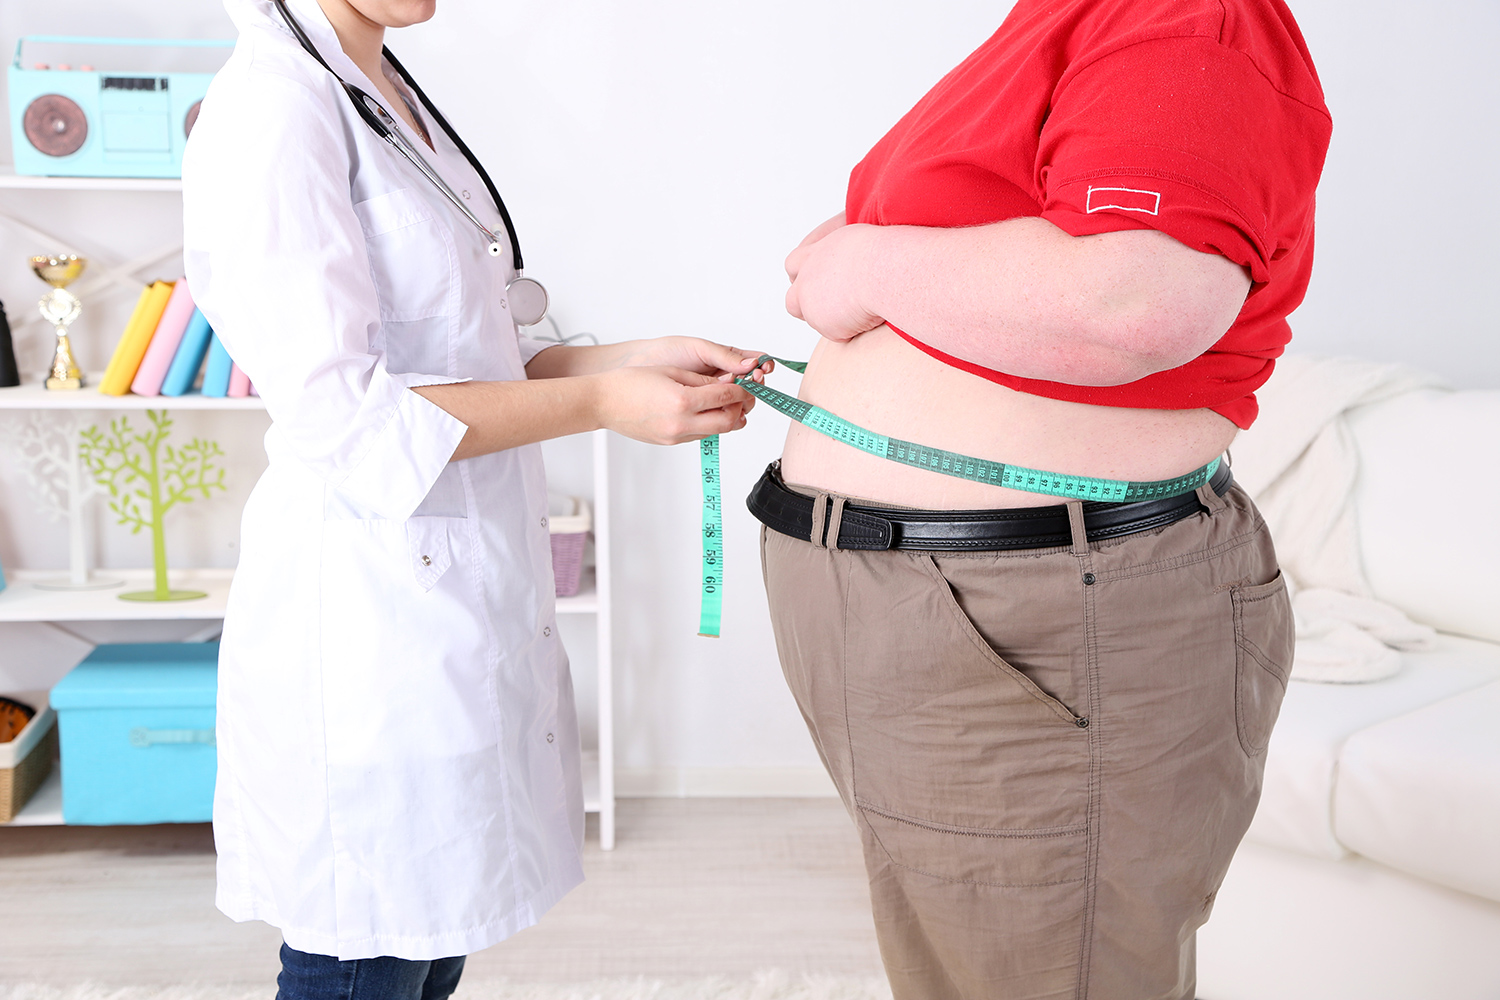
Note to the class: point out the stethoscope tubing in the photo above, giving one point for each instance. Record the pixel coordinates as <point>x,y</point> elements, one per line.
<point>392,133</point>
<point>383,125</point>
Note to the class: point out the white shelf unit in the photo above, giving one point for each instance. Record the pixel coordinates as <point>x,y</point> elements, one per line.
<point>23,601</point>
<point>36,396</point>
<point>11,180</point>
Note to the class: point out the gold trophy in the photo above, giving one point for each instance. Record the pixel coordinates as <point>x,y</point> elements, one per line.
<point>61,307</point>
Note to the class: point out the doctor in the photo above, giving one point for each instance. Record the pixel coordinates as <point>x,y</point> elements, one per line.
<point>399,762</point>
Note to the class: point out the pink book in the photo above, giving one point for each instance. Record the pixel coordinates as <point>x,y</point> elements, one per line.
<point>239,382</point>
<point>174,319</point>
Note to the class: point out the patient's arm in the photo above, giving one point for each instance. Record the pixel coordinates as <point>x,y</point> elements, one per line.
<point>1021,296</point>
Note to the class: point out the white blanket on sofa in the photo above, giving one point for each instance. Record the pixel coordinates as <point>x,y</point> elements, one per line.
<point>1300,464</point>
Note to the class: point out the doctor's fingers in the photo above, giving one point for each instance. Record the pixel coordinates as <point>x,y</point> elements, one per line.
<point>707,357</point>
<point>668,405</point>
<point>715,408</point>
<point>718,395</point>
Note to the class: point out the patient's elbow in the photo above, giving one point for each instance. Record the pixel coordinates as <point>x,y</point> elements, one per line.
<point>1145,338</point>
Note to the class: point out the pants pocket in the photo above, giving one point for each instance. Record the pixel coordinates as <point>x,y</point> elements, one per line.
<point>962,768</point>
<point>1264,636</point>
<point>993,857</point>
<point>1041,642</point>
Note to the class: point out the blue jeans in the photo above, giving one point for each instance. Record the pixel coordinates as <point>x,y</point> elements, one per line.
<point>322,977</point>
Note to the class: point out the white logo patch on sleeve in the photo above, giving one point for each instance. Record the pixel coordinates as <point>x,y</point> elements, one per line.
<point>1123,199</point>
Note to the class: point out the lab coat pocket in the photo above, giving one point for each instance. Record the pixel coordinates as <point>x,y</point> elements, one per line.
<point>427,542</point>
<point>412,257</point>
<point>403,653</point>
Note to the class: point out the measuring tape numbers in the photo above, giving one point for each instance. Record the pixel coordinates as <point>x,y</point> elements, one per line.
<point>947,463</point>
<point>711,606</point>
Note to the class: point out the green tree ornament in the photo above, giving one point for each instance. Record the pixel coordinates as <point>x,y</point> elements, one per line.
<point>145,480</point>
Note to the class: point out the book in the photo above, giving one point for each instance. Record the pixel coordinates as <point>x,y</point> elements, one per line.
<point>130,324</point>
<point>216,372</point>
<point>136,338</point>
<point>163,348</point>
<point>189,357</point>
<point>239,382</point>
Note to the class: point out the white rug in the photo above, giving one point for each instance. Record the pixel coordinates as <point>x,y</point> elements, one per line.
<point>765,986</point>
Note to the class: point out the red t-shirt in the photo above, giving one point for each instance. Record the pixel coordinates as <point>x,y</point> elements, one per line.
<point>1203,119</point>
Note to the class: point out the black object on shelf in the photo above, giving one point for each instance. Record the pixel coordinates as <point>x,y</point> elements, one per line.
<point>9,374</point>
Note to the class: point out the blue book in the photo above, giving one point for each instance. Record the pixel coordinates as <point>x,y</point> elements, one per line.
<point>189,356</point>
<point>216,375</point>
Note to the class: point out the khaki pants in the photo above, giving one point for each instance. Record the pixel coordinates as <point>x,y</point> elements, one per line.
<point>1052,754</point>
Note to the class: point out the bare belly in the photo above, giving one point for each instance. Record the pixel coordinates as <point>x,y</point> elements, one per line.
<point>883,384</point>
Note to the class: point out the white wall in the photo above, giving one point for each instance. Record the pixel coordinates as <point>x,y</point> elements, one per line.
<point>660,159</point>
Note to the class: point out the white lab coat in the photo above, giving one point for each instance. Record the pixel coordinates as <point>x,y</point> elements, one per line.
<point>398,749</point>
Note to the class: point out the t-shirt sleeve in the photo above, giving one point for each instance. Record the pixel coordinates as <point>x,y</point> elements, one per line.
<point>1185,136</point>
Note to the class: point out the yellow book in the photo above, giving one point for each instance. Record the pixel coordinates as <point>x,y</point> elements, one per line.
<point>135,339</point>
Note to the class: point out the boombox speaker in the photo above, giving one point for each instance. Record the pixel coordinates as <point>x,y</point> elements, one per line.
<point>68,121</point>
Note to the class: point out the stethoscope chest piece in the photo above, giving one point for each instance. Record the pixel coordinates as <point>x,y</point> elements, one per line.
<point>528,301</point>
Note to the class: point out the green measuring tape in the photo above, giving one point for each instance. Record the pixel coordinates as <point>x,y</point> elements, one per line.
<point>948,463</point>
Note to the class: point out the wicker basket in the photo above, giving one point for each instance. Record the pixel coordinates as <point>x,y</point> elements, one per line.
<point>570,520</point>
<point>26,760</point>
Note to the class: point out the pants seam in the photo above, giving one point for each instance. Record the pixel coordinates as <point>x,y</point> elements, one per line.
<point>844,687</point>
<point>1187,559</point>
<point>1095,806</point>
<point>1039,833</point>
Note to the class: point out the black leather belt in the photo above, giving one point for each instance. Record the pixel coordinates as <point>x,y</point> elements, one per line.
<point>877,528</point>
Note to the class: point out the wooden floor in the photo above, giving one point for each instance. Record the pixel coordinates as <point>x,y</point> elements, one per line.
<point>695,887</point>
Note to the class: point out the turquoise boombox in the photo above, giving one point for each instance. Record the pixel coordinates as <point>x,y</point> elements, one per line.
<point>71,119</point>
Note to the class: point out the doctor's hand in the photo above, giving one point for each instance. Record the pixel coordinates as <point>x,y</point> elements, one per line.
<point>668,405</point>
<point>693,354</point>
<point>828,272</point>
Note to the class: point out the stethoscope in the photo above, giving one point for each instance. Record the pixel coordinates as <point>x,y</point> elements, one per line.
<point>528,297</point>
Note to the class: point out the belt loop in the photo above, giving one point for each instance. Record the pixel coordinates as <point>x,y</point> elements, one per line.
<point>1211,501</point>
<point>836,521</point>
<point>1077,527</point>
<point>819,514</point>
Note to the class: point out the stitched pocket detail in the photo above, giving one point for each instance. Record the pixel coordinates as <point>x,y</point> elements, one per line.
<point>1263,644</point>
<point>412,259</point>
<point>966,626</point>
<point>428,549</point>
<point>1012,859</point>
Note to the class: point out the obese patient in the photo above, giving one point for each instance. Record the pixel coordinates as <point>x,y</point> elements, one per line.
<point>1077,253</point>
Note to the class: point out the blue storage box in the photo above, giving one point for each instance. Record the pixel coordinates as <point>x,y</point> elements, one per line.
<point>137,730</point>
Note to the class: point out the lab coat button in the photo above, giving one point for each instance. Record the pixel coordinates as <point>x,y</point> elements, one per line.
<point>466,196</point>
<point>427,560</point>
<point>549,737</point>
<point>547,631</point>
<point>544,522</point>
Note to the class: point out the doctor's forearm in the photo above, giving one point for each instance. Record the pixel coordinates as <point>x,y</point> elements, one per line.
<point>503,415</point>
<point>658,405</point>
<point>584,359</point>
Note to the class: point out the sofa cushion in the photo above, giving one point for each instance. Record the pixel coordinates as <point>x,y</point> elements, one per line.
<point>1432,567</point>
<point>1303,760</point>
<point>1421,793</point>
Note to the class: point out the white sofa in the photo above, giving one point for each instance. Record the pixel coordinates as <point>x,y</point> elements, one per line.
<point>1372,870</point>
